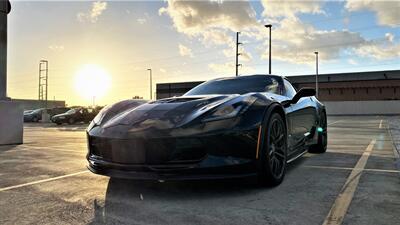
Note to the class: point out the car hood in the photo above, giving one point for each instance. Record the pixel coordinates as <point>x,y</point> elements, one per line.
<point>168,113</point>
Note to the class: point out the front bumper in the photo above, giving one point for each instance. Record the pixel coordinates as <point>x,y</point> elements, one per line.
<point>215,155</point>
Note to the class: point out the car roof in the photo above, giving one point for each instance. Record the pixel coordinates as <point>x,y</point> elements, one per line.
<point>247,77</point>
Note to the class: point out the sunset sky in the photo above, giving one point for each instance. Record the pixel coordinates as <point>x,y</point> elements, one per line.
<point>191,40</point>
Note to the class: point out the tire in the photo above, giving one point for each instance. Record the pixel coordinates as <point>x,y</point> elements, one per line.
<point>322,142</point>
<point>71,121</point>
<point>35,119</point>
<point>273,151</point>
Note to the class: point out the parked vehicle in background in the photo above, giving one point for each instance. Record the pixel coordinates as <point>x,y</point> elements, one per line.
<point>36,115</point>
<point>33,115</point>
<point>57,110</point>
<point>76,115</point>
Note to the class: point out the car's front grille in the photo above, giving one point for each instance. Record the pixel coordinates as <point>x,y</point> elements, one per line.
<point>148,151</point>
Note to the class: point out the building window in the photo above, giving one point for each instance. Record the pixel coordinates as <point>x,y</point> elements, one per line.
<point>380,90</point>
<point>329,91</point>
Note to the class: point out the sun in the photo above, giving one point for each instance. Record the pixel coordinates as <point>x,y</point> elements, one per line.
<point>92,81</point>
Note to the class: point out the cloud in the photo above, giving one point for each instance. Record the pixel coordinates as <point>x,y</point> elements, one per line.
<point>289,8</point>
<point>229,68</point>
<point>296,42</point>
<point>185,51</point>
<point>141,21</point>
<point>162,70</point>
<point>387,12</point>
<point>379,50</point>
<point>56,48</point>
<point>214,22</point>
<point>93,14</point>
<point>352,62</point>
<point>389,37</point>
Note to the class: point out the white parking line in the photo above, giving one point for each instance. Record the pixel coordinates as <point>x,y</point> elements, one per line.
<point>337,121</point>
<point>342,202</point>
<point>42,181</point>
<point>380,125</point>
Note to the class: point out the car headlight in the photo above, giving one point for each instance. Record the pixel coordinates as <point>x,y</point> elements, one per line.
<point>231,109</point>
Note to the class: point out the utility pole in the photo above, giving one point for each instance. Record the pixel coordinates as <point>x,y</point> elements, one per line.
<point>151,84</point>
<point>316,73</point>
<point>43,80</point>
<point>237,53</point>
<point>270,27</point>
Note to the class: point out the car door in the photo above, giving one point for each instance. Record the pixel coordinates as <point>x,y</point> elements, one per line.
<point>301,119</point>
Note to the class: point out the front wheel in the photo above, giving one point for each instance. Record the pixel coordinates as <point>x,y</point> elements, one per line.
<point>273,151</point>
<point>322,133</point>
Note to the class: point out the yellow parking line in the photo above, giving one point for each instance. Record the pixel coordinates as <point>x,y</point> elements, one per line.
<point>342,202</point>
<point>349,168</point>
<point>41,181</point>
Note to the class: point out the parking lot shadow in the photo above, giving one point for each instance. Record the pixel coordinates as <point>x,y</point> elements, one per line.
<point>5,148</point>
<point>133,202</point>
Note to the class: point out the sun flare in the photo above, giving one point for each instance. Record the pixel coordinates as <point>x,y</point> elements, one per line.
<point>92,81</point>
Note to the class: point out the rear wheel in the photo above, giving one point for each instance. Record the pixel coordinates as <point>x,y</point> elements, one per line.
<point>272,160</point>
<point>35,119</point>
<point>322,142</point>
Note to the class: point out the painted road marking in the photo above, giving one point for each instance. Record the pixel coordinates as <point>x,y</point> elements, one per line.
<point>337,121</point>
<point>42,181</point>
<point>342,202</point>
<point>349,168</point>
<point>380,125</point>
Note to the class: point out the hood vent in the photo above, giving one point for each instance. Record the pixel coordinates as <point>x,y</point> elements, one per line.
<point>174,100</point>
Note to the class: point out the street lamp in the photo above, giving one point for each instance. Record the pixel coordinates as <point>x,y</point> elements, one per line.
<point>270,27</point>
<point>151,84</point>
<point>316,73</point>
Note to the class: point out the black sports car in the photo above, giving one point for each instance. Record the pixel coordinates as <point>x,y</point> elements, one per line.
<point>227,127</point>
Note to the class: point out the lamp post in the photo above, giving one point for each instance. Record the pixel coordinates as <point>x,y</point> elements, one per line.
<point>270,27</point>
<point>316,73</point>
<point>151,84</point>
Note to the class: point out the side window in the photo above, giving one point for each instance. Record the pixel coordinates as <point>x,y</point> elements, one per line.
<point>274,87</point>
<point>289,90</point>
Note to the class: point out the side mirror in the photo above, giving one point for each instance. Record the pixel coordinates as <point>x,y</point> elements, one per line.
<point>304,92</point>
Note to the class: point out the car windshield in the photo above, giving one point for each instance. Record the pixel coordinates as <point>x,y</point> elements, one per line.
<point>241,85</point>
<point>36,111</point>
<point>71,111</point>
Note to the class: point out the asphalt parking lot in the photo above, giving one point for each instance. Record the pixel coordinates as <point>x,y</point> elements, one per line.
<point>45,181</point>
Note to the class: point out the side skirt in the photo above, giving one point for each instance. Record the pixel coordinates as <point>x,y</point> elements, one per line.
<point>297,156</point>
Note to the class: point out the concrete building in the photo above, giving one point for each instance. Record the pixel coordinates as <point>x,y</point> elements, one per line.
<point>376,92</point>
<point>362,86</point>
<point>28,104</point>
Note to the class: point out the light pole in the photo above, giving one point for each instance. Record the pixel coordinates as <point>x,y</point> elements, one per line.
<point>151,84</point>
<point>270,27</point>
<point>316,73</point>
